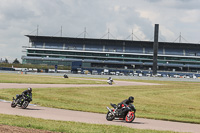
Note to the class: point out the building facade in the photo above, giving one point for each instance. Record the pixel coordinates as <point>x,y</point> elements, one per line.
<point>114,55</point>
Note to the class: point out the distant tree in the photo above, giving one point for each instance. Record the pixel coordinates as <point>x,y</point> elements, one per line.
<point>6,60</point>
<point>16,61</point>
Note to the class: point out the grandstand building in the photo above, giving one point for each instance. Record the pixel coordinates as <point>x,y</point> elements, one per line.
<point>112,55</point>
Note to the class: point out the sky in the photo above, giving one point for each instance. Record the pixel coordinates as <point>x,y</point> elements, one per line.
<point>122,19</point>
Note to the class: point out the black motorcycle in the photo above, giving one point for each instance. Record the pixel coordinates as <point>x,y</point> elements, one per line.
<point>21,101</point>
<point>126,112</point>
<point>65,76</point>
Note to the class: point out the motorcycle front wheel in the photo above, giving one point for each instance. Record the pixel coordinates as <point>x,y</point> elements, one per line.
<point>130,117</point>
<point>25,104</point>
<point>110,116</point>
<point>13,104</point>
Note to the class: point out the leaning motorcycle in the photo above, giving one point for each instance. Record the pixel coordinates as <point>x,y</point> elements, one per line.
<point>127,113</point>
<point>21,101</point>
<point>110,81</point>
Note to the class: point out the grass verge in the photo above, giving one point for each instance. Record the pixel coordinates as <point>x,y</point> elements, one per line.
<point>66,126</point>
<point>174,102</point>
<point>42,79</point>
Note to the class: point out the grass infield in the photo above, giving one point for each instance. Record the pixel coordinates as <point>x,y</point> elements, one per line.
<point>67,126</point>
<point>43,79</point>
<point>173,101</point>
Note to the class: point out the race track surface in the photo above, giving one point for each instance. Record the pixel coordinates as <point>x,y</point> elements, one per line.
<point>86,117</point>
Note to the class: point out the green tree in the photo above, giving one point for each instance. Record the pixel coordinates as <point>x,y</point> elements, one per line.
<point>16,61</point>
<point>6,61</point>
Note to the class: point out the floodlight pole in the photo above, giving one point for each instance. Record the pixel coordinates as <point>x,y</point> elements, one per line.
<point>155,49</point>
<point>37,29</point>
<point>61,32</point>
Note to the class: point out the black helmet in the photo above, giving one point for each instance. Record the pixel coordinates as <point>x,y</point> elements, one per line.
<point>131,98</point>
<point>30,89</point>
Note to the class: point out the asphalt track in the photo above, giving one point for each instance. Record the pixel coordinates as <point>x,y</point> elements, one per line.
<point>86,117</point>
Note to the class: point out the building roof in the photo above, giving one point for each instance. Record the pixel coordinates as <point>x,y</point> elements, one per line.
<point>99,41</point>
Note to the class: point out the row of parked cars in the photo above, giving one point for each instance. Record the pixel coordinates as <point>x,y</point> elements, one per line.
<point>169,74</point>
<point>148,74</point>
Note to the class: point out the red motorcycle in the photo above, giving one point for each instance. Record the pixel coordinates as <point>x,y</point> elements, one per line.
<point>126,112</point>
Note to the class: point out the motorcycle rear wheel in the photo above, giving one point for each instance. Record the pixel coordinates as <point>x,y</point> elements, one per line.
<point>110,116</point>
<point>130,118</point>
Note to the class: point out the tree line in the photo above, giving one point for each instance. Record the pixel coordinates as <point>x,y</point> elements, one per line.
<point>16,61</point>
<point>17,64</point>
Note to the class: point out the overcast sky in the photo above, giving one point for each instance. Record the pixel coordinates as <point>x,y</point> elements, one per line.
<point>119,17</point>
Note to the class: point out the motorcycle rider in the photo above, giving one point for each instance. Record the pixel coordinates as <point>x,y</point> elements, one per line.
<point>65,75</point>
<point>109,81</point>
<point>25,93</point>
<point>124,103</point>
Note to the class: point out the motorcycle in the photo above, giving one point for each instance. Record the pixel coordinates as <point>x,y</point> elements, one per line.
<point>21,101</point>
<point>110,81</point>
<point>127,113</point>
<point>65,76</point>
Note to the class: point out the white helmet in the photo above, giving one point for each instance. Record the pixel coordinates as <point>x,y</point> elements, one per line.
<point>30,89</point>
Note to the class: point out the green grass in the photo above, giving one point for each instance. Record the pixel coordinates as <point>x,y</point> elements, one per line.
<point>42,79</point>
<point>174,101</point>
<point>69,127</point>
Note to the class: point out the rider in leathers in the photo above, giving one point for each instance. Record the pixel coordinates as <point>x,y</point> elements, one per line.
<point>125,103</point>
<point>25,93</point>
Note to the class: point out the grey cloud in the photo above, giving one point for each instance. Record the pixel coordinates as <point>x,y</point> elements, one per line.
<point>16,12</point>
<point>21,17</point>
<point>153,1</point>
<point>183,4</point>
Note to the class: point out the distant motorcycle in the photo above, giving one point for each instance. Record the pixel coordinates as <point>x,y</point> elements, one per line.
<point>65,76</point>
<point>21,101</point>
<point>118,114</point>
<point>110,81</point>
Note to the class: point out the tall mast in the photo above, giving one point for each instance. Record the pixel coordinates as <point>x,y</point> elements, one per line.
<point>37,29</point>
<point>61,32</point>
